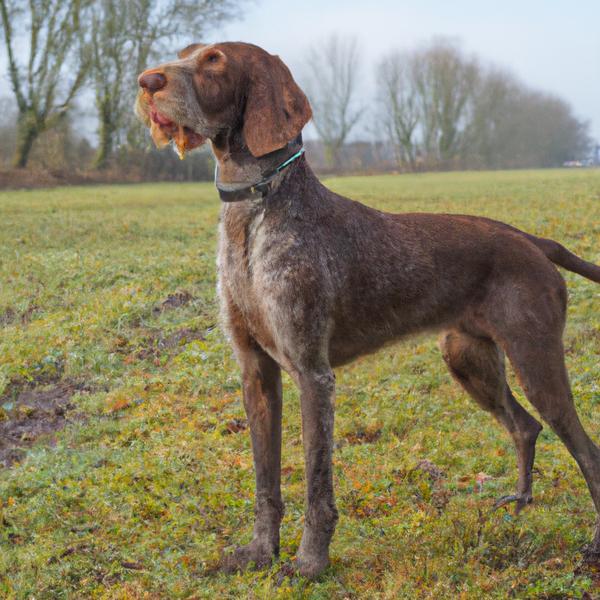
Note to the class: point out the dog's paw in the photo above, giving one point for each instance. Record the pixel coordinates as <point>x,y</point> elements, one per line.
<point>311,566</point>
<point>254,553</point>
<point>520,500</point>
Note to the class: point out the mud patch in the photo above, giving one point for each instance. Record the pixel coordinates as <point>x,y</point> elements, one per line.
<point>31,414</point>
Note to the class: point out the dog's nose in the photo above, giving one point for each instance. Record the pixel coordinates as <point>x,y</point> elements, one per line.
<point>152,82</point>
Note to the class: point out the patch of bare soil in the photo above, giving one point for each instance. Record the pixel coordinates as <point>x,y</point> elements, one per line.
<point>35,412</point>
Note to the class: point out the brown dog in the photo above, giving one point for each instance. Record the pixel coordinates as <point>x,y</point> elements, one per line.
<point>309,280</point>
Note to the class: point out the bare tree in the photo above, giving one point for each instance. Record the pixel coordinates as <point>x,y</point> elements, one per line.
<point>332,77</point>
<point>45,83</point>
<point>399,102</point>
<point>112,53</point>
<point>487,136</point>
<point>127,36</point>
<point>427,97</point>
<point>445,81</point>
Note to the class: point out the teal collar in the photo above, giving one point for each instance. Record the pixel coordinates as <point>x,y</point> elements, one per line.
<point>253,191</point>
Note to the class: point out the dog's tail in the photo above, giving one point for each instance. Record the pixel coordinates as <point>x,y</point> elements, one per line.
<point>559,255</point>
<point>556,252</point>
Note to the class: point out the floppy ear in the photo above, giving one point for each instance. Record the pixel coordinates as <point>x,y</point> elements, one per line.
<point>276,108</point>
<point>189,49</point>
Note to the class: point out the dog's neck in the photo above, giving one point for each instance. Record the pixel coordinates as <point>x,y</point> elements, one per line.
<point>237,167</point>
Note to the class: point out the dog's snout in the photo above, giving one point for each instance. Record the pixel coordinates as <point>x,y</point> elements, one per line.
<point>153,81</point>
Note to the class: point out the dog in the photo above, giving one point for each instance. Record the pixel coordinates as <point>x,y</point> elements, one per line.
<point>310,280</point>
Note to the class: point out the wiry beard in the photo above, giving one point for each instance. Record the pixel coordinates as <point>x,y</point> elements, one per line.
<point>163,130</point>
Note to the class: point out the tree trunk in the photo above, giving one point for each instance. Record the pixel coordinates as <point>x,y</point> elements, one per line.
<point>106,136</point>
<point>27,132</point>
<point>329,155</point>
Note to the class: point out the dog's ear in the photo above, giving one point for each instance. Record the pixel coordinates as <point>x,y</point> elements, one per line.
<point>276,108</point>
<point>189,49</point>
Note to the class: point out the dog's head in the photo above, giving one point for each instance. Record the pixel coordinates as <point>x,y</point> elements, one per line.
<point>211,89</point>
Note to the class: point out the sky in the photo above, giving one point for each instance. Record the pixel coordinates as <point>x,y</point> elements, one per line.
<point>551,45</point>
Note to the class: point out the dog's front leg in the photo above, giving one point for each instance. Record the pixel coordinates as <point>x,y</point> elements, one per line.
<point>317,396</point>
<point>261,378</point>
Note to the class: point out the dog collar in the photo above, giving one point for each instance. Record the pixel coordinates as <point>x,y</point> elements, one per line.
<point>254,191</point>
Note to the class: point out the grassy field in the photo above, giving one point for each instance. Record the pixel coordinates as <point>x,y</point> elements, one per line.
<point>107,323</point>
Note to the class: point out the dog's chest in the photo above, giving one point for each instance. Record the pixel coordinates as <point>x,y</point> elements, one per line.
<point>248,251</point>
<point>242,238</point>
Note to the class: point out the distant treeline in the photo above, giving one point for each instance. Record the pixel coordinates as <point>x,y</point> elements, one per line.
<point>434,107</point>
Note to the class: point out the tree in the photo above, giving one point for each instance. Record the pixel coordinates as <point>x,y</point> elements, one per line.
<point>332,76</point>
<point>427,100</point>
<point>8,117</point>
<point>454,112</point>
<point>445,81</point>
<point>514,126</point>
<point>399,102</point>
<point>127,37</point>
<point>488,137</point>
<point>55,69</point>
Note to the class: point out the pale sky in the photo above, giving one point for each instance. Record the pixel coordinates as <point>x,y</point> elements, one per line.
<point>552,45</point>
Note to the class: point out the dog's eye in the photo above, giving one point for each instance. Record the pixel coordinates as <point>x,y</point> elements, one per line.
<point>213,58</point>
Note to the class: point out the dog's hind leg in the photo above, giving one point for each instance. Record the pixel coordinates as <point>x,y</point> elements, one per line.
<point>526,316</point>
<point>538,359</point>
<point>478,365</point>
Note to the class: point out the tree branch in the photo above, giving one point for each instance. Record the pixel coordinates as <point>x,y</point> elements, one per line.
<point>12,65</point>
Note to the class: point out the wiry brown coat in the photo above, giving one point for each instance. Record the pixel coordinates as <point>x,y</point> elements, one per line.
<point>310,280</point>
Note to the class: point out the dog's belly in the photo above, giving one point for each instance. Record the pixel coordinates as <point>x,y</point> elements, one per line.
<point>355,335</point>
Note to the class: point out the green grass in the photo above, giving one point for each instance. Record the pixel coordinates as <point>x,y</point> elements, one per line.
<point>139,499</point>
